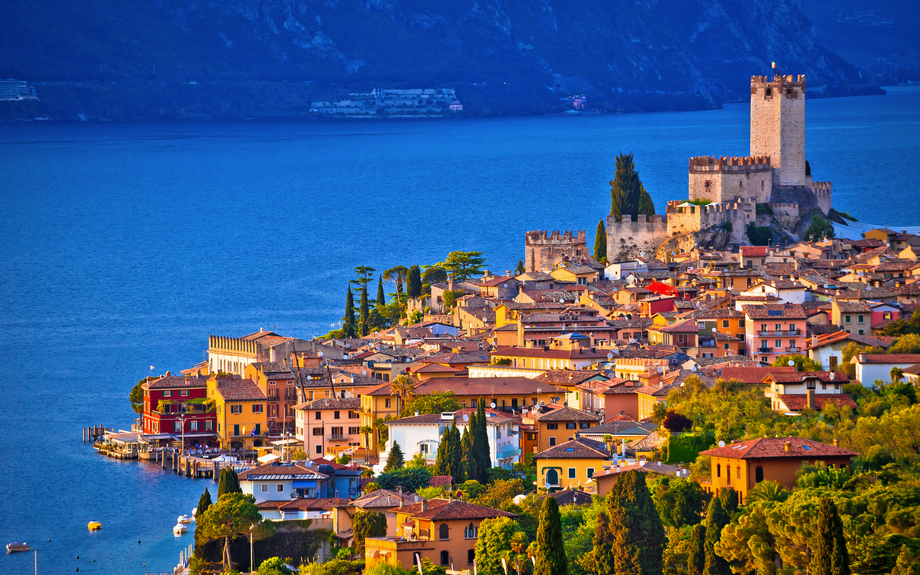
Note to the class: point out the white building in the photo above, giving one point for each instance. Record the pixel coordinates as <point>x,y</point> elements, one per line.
<point>873,366</point>
<point>619,270</point>
<point>281,482</point>
<point>422,434</point>
<point>786,291</point>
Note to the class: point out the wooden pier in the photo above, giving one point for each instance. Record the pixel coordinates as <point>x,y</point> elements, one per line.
<point>94,433</point>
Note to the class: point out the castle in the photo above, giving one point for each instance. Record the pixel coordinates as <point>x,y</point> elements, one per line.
<point>775,174</point>
<point>544,251</point>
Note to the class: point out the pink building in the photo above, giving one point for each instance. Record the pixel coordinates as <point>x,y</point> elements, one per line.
<point>772,330</point>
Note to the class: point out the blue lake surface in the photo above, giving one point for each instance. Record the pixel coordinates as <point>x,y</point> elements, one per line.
<point>125,245</point>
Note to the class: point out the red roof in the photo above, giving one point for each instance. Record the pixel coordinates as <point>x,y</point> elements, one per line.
<point>889,358</point>
<point>754,251</point>
<point>770,447</point>
<point>752,375</point>
<point>661,288</point>
<point>799,401</point>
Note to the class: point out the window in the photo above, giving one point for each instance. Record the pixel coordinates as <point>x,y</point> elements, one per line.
<point>353,415</point>
<point>258,429</point>
<point>386,403</point>
<point>758,474</point>
<point>552,442</point>
<point>584,425</point>
<point>470,532</point>
<point>846,319</point>
<point>570,425</point>
<point>725,346</point>
<point>208,425</point>
<point>279,488</point>
<point>572,473</point>
<point>779,343</point>
<point>443,532</point>
<point>779,327</point>
<point>184,392</point>
<point>336,415</point>
<point>354,430</point>
<point>319,449</point>
<point>763,327</point>
<point>445,557</point>
<point>236,408</point>
<point>177,426</point>
<point>470,556</point>
<point>167,393</point>
<point>236,429</point>
<point>719,470</point>
<point>264,488</point>
<point>860,331</point>
<point>859,318</point>
<point>552,426</point>
<point>337,433</point>
<point>194,426</point>
<point>257,407</point>
<point>318,415</point>
<point>724,323</point>
<point>738,472</point>
<point>590,472</point>
<point>423,448</point>
<point>317,431</point>
<point>728,474</point>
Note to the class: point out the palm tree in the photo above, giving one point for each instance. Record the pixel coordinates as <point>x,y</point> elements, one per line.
<point>896,374</point>
<point>366,430</point>
<point>767,491</point>
<point>403,389</point>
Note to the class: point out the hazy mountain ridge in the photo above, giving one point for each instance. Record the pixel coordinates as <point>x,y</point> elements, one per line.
<point>633,54</point>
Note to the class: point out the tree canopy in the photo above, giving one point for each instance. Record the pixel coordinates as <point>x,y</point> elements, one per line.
<point>463,265</point>
<point>600,243</point>
<point>628,197</point>
<point>234,514</point>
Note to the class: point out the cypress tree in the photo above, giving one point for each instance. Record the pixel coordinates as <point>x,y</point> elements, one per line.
<point>696,561</point>
<point>211,550</point>
<point>395,459</point>
<point>381,297</point>
<point>414,283</point>
<point>365,311</point>
<point>520,268</point>
<point>473,467</point>
<point>729,498</point>
<point>638,535</point>
<point>628,197</point>
<point>601,556</point>
<point>229,482</point>
<point>466,451</point>
<point>550,559</point>
<point>716,520</point>
<point>456,455</point>
<point>830,553</point>
<point>348,325</point>
<point>479,442</point>
<point>600,242</point>
<point>445,458</point>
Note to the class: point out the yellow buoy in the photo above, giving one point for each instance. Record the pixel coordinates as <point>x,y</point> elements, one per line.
<point>94,525</point>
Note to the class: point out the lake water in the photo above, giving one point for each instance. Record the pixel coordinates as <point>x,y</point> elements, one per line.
<point>125,245</point>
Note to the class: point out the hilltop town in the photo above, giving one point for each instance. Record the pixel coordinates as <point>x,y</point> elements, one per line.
<point>676,400</point>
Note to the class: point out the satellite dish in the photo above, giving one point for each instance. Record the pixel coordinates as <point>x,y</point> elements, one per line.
<point>345,355</point>
<point>869,288</point>
<point>493,405</point>
<point>641,254</point>
<point>693,367</point>
<point>791,363</point>
<point>609,356</point>
<point>561,300</point>
<point>660,369</point>
<point>721,444</point>
<point>320,354</point>
<point>466,417</point>
<point>614,289</point>
<point>547,485</point>
<point>363,372</point>
<point>713,330</point>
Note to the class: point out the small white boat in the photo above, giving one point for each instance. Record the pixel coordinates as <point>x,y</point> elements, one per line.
<point>195,512</point>
<point>179,529</point>
<point>184,519</point>
<point>17,547</point>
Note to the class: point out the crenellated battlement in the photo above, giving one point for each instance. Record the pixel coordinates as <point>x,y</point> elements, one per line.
<point>629,238</point>
<point>544,250</point>
<point>729,164</point>
<point>541,238</point>
<point>778,80</point>
<point>821,187</point>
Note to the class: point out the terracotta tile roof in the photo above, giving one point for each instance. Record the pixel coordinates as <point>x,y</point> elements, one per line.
<point>799,402</point>
<point>324,504</point>
<point>581,353</point>
<point>438,368</point>
<point>770,447</point>
<point>565,414</point>
<point>888,358</point>
<point>787,377</point>
<point>569,497</point>
<point>754,251</point>
<point>568,377</point>
<point>642,467</point>
<point>752,375</point>
<point>232,389</point>
<point>441,481</point>
<point>484,386</point>
<point>775,311</point>
<point>333,403</point>
<point>578,448</point>
<point>846,306</point>
<point>472,357</point>
<point>273,471</point>
<point>384,498</point>
<point>172,382</point>
<point>620,427</point>
<point>444,510</point>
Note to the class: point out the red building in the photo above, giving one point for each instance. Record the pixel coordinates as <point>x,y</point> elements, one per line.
<point>169,401</point>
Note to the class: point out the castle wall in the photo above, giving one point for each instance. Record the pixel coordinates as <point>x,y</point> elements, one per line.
<point>786,214</point>
<point>543,251</point>
<point>823,194</point>
<point>628,239</point>
<point>724,179</point>
<point>691,219</point>
<point>778,126</point>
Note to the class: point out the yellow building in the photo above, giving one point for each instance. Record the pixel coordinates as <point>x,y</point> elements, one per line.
<point>572,464</point>
<point>649,397</point>
<point>377,403</point>
<point>241,417</point>
<point>575,273</point>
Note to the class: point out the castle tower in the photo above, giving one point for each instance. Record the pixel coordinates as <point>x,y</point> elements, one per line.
<point>778,126</point>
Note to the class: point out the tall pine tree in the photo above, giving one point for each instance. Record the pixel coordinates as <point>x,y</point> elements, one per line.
<point>696,560</point>
<point>600,242</point>
<point>365,311</point>
<point>716,520</point>
<point>450,455</point>
<point>550,558</point>
<point>348,322</point>
<point>628,197</point>
<point>639,536</point>
<point>210,551</point>
<point>830,548</point>
<point>466,450</point>
<point>395,459</point>
<point>480,460</point>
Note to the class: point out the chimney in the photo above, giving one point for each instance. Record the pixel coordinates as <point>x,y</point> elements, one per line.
<point>508,273</point>
<point>836,442</point>
<point>810,398</point>
<point>424,505</point>
<point>787,447</point>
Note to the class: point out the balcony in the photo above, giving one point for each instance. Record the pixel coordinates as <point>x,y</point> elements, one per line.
<point>335,436</point>
<point>793,350</point>
<point>273,398</point>
<point>508,453</point>
<point>780,332</point>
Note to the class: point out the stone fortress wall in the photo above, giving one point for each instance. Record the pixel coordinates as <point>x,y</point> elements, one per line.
<point>627,239</point>
<point>778,126</point>
<point>722,179</point>
<point>543,251</point>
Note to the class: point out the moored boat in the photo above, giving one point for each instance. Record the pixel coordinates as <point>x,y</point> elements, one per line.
<point>94,525</point>
<point>17,547</point>
<point>184,519</point>
<point>179,529</point>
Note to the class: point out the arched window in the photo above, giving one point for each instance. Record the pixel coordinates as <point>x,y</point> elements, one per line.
<point>445,558</point>
<point>728,474</point>
<point>443,532</point>
<point>552,477</point>
<point>719,470</point>
<point>758,474</point>
<point>470,556</point>
<point>738,472</point>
